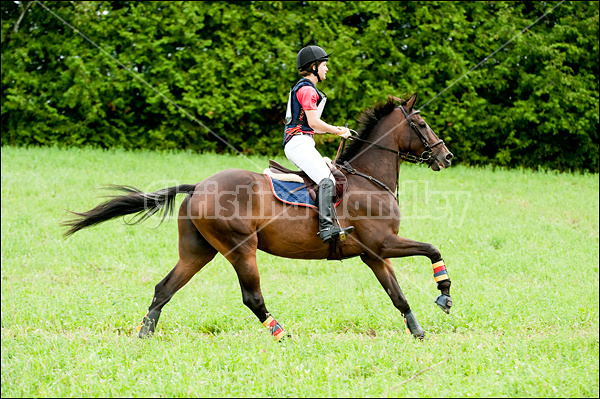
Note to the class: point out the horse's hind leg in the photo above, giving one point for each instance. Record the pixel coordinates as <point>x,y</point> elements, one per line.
<point>385,274</point>
<point>194,253</point>
<point>243,259</point>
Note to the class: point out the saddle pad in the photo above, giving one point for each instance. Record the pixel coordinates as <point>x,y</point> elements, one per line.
<point>283,176</point>
<point>281,190</point>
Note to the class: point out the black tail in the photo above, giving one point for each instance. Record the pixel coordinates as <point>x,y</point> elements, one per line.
<point>135,202</point>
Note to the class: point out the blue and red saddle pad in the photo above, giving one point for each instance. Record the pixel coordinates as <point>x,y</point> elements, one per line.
<point>284,191</point>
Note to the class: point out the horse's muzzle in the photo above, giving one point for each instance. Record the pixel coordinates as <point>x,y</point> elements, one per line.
<point>441,161</point>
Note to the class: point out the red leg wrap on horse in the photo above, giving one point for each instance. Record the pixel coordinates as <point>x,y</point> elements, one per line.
<point>439,271</point>
<point>274,328</point>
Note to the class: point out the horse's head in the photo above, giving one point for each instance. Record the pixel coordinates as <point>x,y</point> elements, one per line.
<point>416,138</point>
<point>395,127</point>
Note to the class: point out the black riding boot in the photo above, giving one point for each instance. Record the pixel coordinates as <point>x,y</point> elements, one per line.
<point>327,227</point>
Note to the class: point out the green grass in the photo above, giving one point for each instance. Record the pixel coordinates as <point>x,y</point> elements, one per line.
<point>521,248</point>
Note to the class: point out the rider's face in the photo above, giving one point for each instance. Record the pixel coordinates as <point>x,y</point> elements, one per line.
<point>322,71</point>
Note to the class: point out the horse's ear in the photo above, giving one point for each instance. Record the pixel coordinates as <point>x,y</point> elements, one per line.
<point>412,101</point>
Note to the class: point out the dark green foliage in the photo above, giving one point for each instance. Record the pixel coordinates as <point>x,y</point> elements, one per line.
<point>230,65</point>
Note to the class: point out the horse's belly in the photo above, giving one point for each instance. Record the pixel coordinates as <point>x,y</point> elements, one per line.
<point>294,236</point>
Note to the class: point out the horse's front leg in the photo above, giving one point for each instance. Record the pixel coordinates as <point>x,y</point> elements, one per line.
<point>385,274</point>
<point>398,247</point>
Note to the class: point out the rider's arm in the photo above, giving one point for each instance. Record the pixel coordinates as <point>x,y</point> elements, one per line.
<point>308,97</point>
<point>320,126</point>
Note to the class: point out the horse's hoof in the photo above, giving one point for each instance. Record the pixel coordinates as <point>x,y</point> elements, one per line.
<point>285,338</point>
<point>413,326</point>
<point>143,330</point>
<point>444,302</point>
<point>148,324</point>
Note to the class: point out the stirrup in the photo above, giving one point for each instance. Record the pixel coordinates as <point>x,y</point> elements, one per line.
<point>335,232</point>
<point>345,231</point>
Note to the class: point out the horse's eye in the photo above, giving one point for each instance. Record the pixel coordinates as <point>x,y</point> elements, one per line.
<point>423,124</point>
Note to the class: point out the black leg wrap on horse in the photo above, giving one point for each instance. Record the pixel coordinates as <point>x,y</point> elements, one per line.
<point>413,325</point>
<point>327,227</point>
<point>444,285</point>
<point>149,322</point>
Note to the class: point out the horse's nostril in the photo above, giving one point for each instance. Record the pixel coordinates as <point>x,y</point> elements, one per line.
<point>449,156</point>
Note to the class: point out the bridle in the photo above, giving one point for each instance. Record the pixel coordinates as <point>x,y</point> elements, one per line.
<point>426,155</point>
<point>406,156</point>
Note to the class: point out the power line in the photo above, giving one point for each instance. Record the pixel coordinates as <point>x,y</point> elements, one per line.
<point>143,81</point>
<point>491,55</point>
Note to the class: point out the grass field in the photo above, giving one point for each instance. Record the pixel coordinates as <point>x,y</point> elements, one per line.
<point>521,248</point>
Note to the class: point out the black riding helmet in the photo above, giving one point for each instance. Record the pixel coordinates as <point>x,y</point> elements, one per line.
<point>308,55</point>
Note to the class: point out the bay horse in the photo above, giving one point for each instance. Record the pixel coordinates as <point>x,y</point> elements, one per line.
<point>235,213</point>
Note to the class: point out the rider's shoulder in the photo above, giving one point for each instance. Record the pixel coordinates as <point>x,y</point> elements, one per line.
<point>304,82</point>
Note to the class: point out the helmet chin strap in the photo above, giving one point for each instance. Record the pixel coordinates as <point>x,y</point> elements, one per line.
<point>315,71</point>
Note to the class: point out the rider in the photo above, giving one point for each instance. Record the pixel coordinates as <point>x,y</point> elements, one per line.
<point>303,120</point>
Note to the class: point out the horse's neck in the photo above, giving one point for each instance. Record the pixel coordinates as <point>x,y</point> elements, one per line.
<point>378,163</point>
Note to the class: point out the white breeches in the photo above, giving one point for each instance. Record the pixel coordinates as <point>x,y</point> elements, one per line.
<point>301,151</point>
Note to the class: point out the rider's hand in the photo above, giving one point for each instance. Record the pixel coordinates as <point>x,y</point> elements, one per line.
<point>343,132</point>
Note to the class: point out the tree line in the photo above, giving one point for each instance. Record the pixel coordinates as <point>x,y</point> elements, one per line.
<point>230,65</point>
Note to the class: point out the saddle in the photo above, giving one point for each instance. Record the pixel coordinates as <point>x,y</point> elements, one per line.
<point>279,172</point>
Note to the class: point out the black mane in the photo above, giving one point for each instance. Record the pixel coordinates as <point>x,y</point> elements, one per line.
<point>367,121</point>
